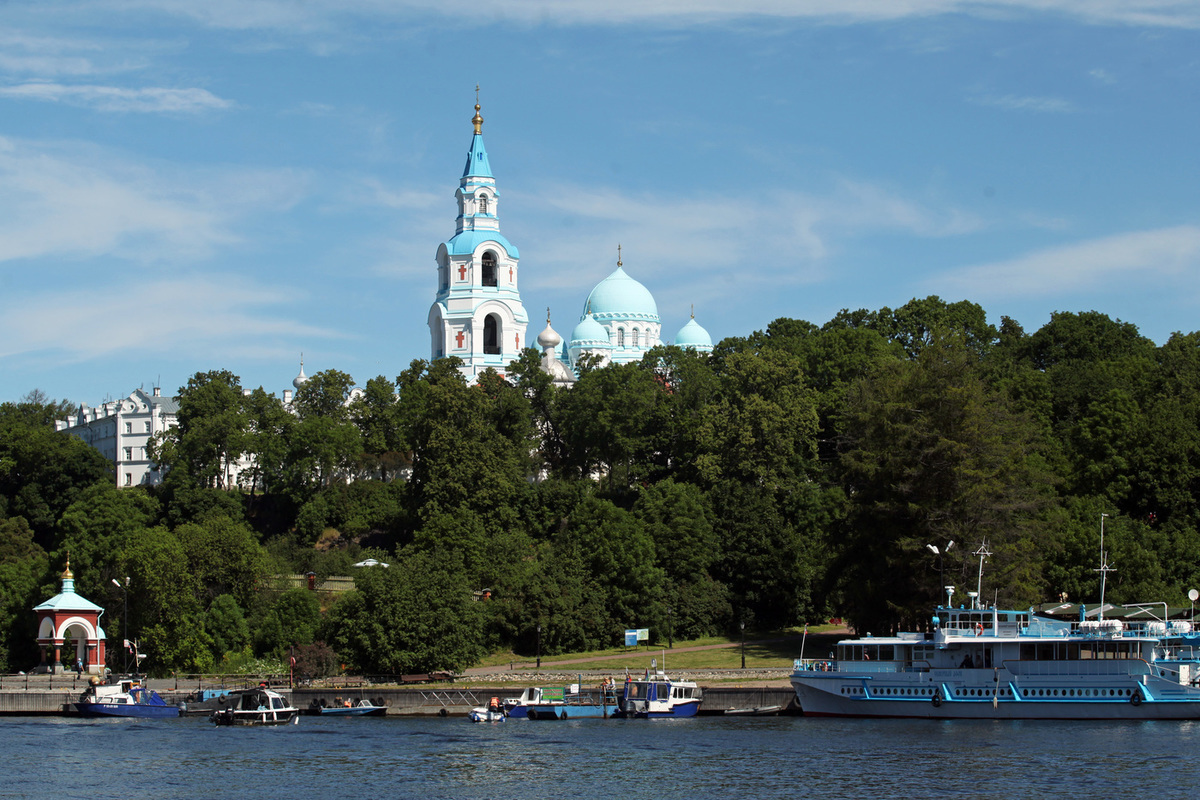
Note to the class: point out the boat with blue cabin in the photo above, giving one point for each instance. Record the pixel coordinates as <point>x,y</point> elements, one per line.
<point>656,696</point>
<point>1064,661</point>
<point>125,698</point>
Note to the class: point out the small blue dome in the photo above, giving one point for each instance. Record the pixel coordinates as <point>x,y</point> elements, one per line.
<point>621,296</point>
<point>590,334</point>
<point>693,335</point>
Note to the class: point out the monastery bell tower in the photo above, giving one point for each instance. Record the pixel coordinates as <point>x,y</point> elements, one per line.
<point>477,314</point>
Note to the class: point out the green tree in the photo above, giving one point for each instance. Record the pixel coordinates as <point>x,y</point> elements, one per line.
<point>164,614</point>
<point>96,528</point>
<point>930,456</point>
<point>212,431</point>
<point>224,558</point>
<point>22,565</point>
<point>225,623</point>
<point>42,471</point>
<point>417,616</point>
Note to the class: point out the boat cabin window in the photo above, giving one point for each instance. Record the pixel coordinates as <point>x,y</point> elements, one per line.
<point>866,652</point>
<point>664,691</point>
<point>1077,651</point>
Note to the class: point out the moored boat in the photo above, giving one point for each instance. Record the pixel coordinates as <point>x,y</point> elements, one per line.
<point>349,708</point>
<point>563,702</point>
<point>125,698</point>
<point>1061,662</point>
<point>258,706</point>
<point>657,696</point>
<point>492,712</point>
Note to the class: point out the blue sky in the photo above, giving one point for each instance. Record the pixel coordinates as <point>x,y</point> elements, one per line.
<point>225,184</point>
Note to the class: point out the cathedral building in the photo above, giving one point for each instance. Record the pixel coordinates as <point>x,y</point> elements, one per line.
<point>477,314</point>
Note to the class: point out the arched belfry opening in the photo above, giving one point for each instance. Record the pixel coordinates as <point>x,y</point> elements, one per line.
<point>489,268</point>
<point>491,335</point>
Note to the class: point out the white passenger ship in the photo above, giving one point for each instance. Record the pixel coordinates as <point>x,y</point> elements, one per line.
<point>1065,662</point>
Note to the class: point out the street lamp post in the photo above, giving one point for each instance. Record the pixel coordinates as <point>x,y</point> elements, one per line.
<point>941,554</point>
<point>539,646</point>
<point>124,587</point>
<point>670,642</point>
<point>742,626</point>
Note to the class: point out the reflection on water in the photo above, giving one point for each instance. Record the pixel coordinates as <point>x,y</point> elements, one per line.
<point>430,758</point>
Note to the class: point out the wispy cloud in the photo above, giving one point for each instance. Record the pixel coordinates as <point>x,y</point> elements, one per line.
<point>1109,262</point>
<point>114,98</point>
<point>788,239</point>
<point>1012,102</point>
<point>294,15</point>
<point>183,317</point>
<point>75,200</point>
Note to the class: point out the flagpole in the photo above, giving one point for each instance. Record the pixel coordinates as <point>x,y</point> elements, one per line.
<point>803,639</point>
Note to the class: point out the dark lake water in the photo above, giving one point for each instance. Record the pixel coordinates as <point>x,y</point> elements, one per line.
<point>431,758</point>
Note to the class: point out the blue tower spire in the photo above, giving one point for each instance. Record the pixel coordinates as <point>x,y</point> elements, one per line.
<point>477,159</point>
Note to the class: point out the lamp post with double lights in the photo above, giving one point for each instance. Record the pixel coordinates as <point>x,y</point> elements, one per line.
<point>124,587</point>
<point>941,554</point>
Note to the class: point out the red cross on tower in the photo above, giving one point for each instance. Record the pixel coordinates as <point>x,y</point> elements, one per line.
<point>459,337</point>
<point>462,272</point>
<point>517,339</point>
<point>510,274</point>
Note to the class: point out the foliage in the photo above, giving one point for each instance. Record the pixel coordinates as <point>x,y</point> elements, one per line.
<point>795,473</point>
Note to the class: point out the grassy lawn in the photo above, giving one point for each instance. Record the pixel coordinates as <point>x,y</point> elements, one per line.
<point>766,651</point>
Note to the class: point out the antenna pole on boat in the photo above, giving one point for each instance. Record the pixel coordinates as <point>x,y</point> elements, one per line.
<point>1104,568</point>
<point>983,553</point>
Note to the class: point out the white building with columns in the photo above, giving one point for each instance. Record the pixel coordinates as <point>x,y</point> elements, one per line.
<point>121,431</point>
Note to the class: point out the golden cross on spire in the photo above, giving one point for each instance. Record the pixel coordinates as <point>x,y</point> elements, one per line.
<point>618,254</point>
<point>547,315</point>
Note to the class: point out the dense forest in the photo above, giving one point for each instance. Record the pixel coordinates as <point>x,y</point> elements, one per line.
<point>792,475</point>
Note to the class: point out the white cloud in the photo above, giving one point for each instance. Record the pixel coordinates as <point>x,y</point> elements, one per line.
<point>182,317</point>
<point>75,200</point>
<point>113,98</point>
<point>1011,102</point>
<point>787,239</point>
<point>312,15</point>
<point>1128,259</point>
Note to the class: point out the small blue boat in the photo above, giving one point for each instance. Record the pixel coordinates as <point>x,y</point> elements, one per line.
<point>350,708</point>
<point>126,698</point>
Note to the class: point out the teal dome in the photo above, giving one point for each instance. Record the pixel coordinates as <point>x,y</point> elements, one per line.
<point>693,335</point>
<point>589,334</point>
<point>620,296</point>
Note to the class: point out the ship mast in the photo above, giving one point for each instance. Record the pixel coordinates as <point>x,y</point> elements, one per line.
<point>1104,567</point>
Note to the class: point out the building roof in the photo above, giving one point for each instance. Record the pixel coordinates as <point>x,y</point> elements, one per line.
<point>692,335</point>
<point>590,334</point>
<point>67,599</point>
<point>621,297</point>
<point>465,243</point>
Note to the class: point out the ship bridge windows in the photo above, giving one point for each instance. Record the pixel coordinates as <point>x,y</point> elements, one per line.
<point>867,652</point>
